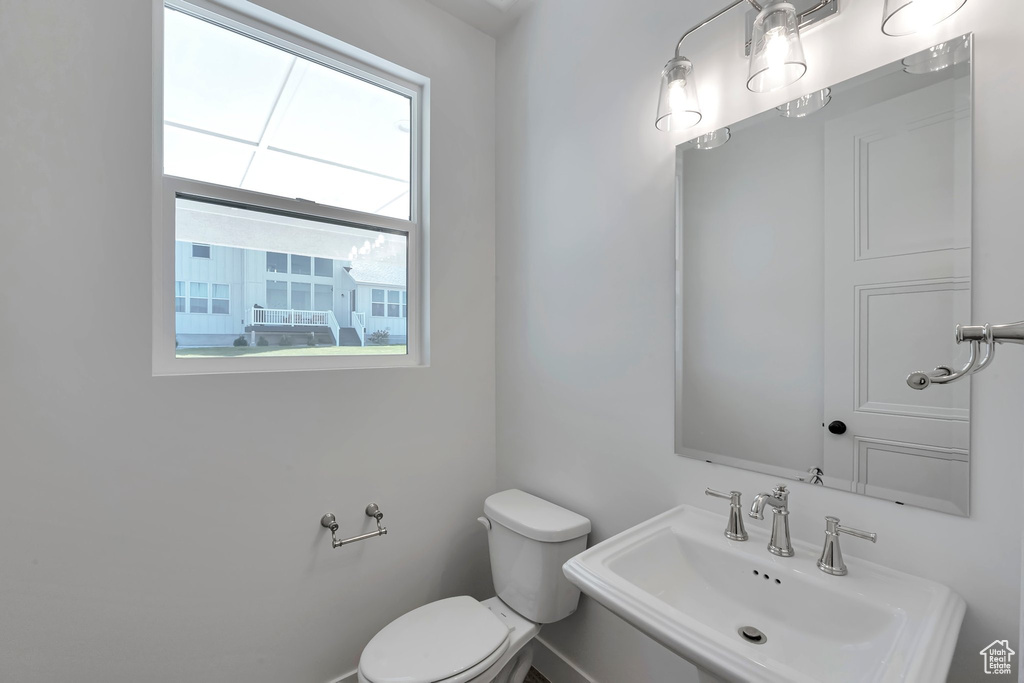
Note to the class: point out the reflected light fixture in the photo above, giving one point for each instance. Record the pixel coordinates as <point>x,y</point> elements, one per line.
<point>712,140</point>
<point>939,57</point>
<point>776,58</point>
<point>808,104</point>
<point>904,17</point>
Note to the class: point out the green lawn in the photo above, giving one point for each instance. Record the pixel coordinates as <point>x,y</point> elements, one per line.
<point>232,351</point>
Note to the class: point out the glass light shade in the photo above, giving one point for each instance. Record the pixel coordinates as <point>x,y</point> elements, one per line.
<point>715,138</point>
<point>808,104</point>
<point>903,17</point>
<point>776,54</point>
<point>678,107</point>
<point>939,57</point>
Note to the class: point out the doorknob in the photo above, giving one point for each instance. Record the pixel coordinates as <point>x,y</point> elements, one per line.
<point>837,427</point>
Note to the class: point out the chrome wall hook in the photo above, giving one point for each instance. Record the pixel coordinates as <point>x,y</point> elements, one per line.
<point>329,521</point>
<point>975,335</point>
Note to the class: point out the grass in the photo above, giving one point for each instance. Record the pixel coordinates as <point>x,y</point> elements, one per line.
<point>282,351</point>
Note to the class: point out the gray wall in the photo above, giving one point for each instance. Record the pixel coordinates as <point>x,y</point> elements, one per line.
<point>586,226</point>
<point>166,529</point>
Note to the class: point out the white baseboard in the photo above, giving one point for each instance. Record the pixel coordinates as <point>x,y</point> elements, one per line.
<point>347,678</point>
<point>555,666</point>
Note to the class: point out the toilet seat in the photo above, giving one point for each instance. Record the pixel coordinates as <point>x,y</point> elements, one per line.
<point>448,641</point>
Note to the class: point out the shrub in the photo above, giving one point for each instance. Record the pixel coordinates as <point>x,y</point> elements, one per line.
<point>380,337</point>
<point>285,341</point>
<point>176,342</point>
<point>311,341</point>
<point>262,341</point>
<point>241,341</point>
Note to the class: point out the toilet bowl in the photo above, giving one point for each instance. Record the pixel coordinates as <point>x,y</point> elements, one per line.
<point>463,640</point>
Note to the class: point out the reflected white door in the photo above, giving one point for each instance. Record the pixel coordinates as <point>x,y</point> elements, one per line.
<point>897,223</point>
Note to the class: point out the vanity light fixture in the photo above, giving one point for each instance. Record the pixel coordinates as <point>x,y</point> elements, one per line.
<point>776,53</point>
<point>806,105</point>
<point>904,17</point>
<point>776,58</point>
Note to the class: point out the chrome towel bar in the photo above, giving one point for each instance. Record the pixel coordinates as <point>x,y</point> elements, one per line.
<point>328,521</point>
<point>976,336</point>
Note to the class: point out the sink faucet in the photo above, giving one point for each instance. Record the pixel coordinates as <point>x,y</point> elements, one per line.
<point>779,500</point>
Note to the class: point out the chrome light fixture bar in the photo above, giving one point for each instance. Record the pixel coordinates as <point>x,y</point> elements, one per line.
<point>776,59</point>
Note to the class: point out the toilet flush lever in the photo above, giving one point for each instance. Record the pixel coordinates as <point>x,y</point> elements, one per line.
<point>328,521</point>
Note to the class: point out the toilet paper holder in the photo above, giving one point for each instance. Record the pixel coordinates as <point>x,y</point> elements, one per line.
<point>328,521</point>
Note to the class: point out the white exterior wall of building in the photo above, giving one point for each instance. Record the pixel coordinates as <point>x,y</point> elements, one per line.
<point>245,272</point>
<point>396,327</point>
<point>225,266</point>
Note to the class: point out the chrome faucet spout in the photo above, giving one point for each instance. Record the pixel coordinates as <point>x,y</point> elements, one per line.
<point>780,543</point>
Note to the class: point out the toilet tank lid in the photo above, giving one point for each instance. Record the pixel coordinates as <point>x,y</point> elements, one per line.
<point>534,517</point>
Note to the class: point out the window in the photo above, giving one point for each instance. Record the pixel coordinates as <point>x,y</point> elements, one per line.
<point>277,262</point>
<point>220,301</point>
<point>323,297</point>
<point>300,296</point>
<point>323,267</point>
<point>377,305</point>
<point>304,166</point>
<point>198,297</point>
<point>300,265</point>
<point>277,295</point>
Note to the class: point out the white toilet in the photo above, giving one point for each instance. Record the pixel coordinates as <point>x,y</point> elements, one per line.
<point>462,640</point>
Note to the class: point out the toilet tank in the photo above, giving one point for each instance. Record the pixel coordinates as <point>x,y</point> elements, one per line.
<point>530,539</point>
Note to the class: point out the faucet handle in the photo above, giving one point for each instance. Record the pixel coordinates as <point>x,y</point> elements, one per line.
<point>734,530</point>
<point>832,526</point>
<point>733,496</point>
<point>831,560</point>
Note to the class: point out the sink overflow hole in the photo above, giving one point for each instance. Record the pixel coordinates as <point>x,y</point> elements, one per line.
<point>752,635</point>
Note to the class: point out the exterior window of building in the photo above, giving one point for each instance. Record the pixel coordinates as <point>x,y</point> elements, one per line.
<point>377,303</point>
<point>323,267</point>
<point>198,297</point>
<point>300,265</point>
<point>277,262</point>
<point>307,213</point>
<point>277,294</point>
<point>323,297</point>
<point>220,302</point>
<point>300,296</point>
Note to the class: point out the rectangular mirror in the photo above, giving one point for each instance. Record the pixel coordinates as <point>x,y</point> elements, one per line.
<point>824,254</point>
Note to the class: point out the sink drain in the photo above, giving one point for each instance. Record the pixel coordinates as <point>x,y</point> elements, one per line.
<point>752,635</point>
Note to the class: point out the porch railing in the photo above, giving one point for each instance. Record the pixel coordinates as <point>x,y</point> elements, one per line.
<point>281,316</point>
<point>332,322</point>
<point>359,322</point>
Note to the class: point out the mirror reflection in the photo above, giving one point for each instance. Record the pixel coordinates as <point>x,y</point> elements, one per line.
<point>824,253</point>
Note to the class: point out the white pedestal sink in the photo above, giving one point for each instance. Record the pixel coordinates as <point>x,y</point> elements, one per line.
<point>678,579</point>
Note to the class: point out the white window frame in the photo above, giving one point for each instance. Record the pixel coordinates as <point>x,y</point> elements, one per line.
<point>183,297</point>
<point>189,298</point>
<point>261,24</point>
<point>209,253</point>
<point>220,298</point>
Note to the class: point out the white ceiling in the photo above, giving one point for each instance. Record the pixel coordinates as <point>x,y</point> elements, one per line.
<point>493,17</point>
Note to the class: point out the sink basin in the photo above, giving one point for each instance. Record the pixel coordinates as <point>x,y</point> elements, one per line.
<point>678,579</point>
